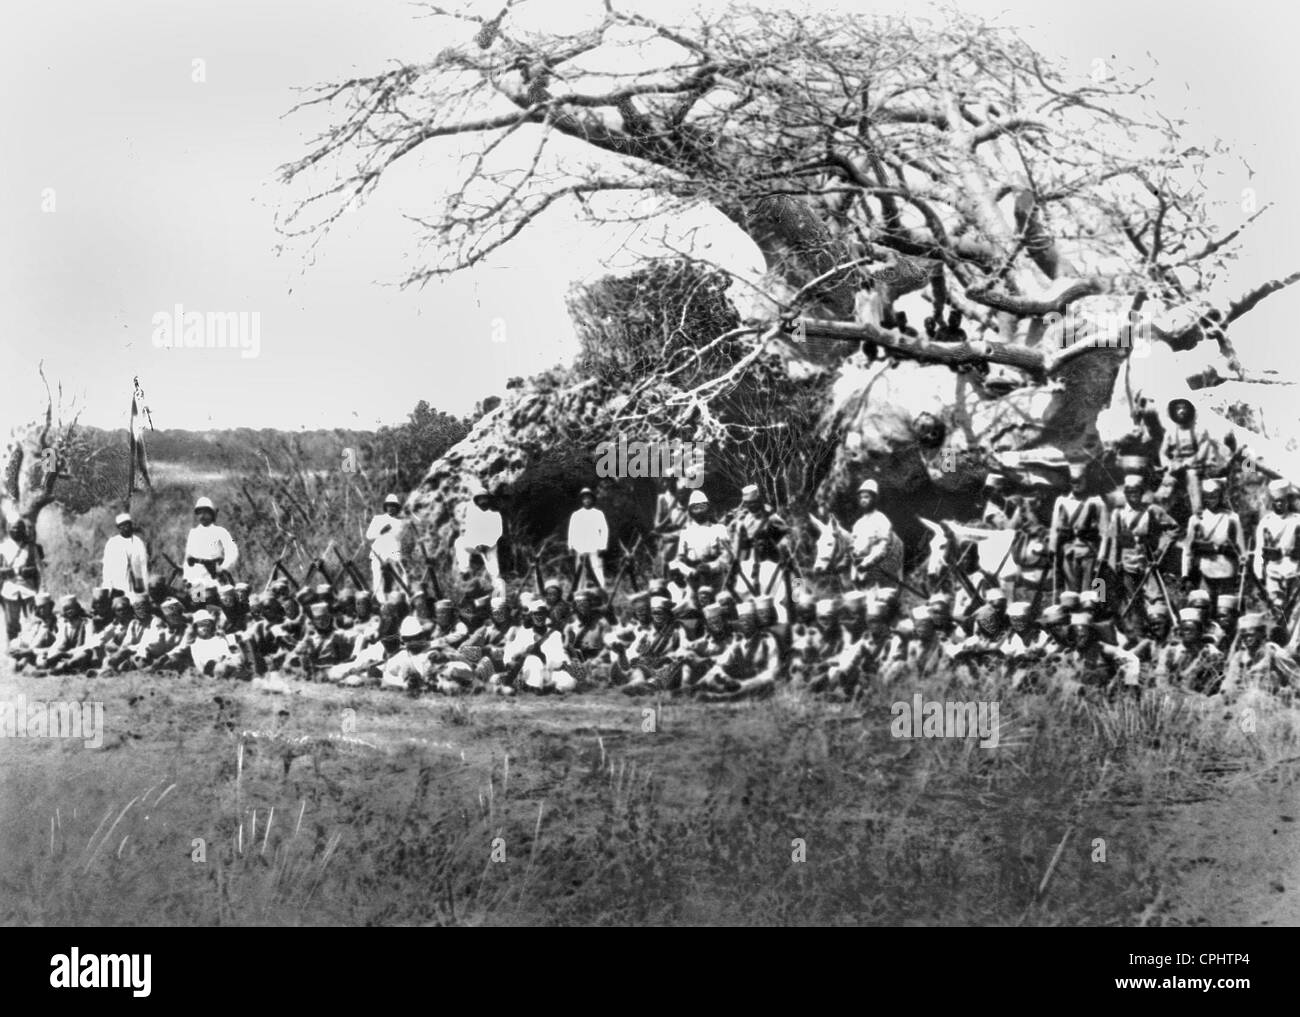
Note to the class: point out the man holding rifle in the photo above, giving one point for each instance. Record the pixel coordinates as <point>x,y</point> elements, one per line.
<point>1132,541</point>
<point>386,533</point>
<point>1276,545</point>
<point>210,553</point>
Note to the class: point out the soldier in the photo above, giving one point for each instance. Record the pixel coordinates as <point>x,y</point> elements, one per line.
<point>107,625</point>
<point>69,636</point>
<point>926,653</point>
<point>448,631</point>
<point>210,553</point>
<point>1055,624</point>
<point>405,669</point>
<point>1023,648</point>
<point>126,561</point>
<point>1154,636</point>
<point>1225,615</point>
<point>479,535</point>
<point>215,654</point>
<point>1188,662</point>
<point>119,658</point>
<point>762,541</point>
<point>1276,545</point>
<point>387,534</point>
<point>940,607</point>
<point>845,668</point>
<point>704,551</point>
<point>233,615</point>
<point>873,538</point>
<point>537,655</point>
<point>1258,663</point>
<point>1215,545</point>
<point>322,647</point>
<point>1134,540</point>
<point>36,632</point>
<point>813,647</point>
<point>167,633</point>
<point>368,650</point>
<point>1092,664</point>
<point>1078,521</point>
<point>1188,452</point>
<point>20,574</point>
<point>584,637</point>
<point>641,665</point>
<point>588,539</point>
<point>490,640</point>
<point>749,664</point>
<point>670,517</point>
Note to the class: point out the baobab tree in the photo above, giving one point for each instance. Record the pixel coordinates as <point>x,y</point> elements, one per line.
<point>867,158</point>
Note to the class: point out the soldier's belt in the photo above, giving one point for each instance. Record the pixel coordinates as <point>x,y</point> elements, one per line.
<point>1207,547</point>
<point>1271,553</point>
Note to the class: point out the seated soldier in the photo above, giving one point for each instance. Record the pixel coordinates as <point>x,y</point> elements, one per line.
<point>1154,636</point>
<point>696,657</point>
<point>536,659</point>
<point>1188,662</point>
<point>166,641</point>
<point>1024,648</point>
<point>584,637</point>
<point>234,615</point>
<point>405,669</point>
<point>448,631</point>
<point>368,649</point>
<point>845,671</point>
<point>1093,666</point>
<point>215,654</point>
<point>644,665</point>
<point>121,656</point>
<point>813,647</point>
<point>69,636</point>
<point>322,647</point>
<point>36,632</point>
<point>112,638</point>
<point>489,639</point>
<point>1258,665</point>
<point>748,666</point>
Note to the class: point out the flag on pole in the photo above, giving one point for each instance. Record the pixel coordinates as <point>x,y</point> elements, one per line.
<point>139,461</point>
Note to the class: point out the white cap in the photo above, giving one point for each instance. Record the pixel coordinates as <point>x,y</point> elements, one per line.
<point>698,498</point>
<point>1277,488</point>
<point>122,517</point>
<point>409,628</point>
<point>202,616</point>
<point>204,503</point>
<point>869,485</point>
<point>392,499</point>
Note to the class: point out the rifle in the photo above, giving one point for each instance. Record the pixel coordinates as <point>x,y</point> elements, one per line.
<point>1166,543</point>
<point>397,575</point>
<point>429,572</point>
<point>176,569</point>
<point>349,566</point>
<point>623,565</point>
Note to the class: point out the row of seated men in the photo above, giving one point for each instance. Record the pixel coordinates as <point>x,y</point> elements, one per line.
<point>710,645</point>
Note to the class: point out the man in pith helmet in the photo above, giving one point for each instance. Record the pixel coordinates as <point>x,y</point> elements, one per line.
<point>387,535</point>
<point>210,552</point>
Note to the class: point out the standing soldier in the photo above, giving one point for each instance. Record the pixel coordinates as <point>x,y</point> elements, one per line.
<point>670,517</point>
<point>761,539</point>
<point>210,553</point>
<point>1276,546</point>
<point>1188,451</point>
<point>588,540</point>
<point>873,538</point>
<point>1078,521</point>
<point>386,534</point>
<point>1215,546</point>
<point>20,574</point>
<point>126,562</point>
<point>1132,540</point>
<point>479,535</point>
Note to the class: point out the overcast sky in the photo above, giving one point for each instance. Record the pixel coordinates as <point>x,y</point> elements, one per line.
<point>164,192</point>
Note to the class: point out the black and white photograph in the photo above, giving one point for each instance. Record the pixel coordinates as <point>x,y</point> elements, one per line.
<point>642,463</point>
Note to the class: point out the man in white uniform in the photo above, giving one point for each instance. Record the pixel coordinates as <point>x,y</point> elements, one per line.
<point>588,539</point>
<point>872,535</point>
<point>386,533</point>
<point>209,549</point>
<point>479,535</point>
<point>126,561</point>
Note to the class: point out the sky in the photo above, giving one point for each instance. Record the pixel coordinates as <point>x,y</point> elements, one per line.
<point>128,187</point>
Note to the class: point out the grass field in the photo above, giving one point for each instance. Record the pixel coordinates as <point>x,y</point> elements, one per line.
<point>370,807</point>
